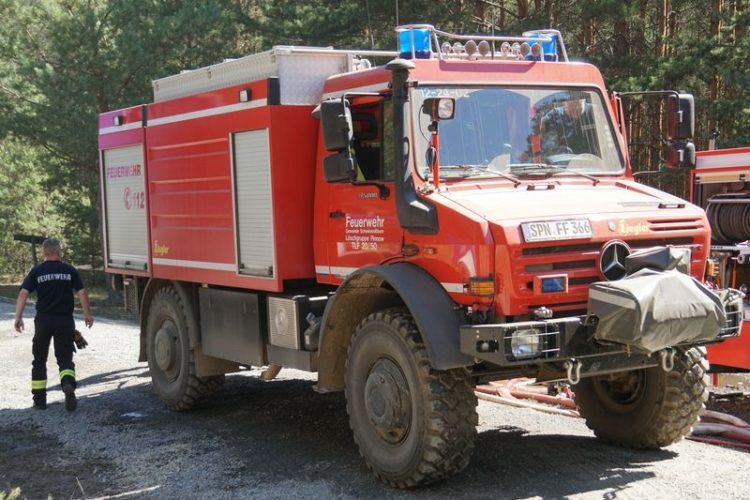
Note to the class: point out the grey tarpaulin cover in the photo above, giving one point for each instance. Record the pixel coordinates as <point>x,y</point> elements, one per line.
<point>659,258</point>
<point>650,310</point>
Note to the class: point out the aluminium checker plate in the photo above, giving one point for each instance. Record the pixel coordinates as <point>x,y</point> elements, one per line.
<point>301,72</point>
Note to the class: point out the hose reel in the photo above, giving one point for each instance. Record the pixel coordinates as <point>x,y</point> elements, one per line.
<point>729,217</point>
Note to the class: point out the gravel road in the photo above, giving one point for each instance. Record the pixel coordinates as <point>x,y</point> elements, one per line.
<point>279,439</point>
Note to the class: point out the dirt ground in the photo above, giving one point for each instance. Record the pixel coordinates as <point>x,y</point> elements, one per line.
<point>280,439</point>
<point>732,395</point>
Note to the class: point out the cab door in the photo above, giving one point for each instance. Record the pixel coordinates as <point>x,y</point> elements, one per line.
<point>363,227</point>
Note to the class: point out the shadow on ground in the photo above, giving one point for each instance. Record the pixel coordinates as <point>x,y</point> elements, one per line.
<point>274,432</point>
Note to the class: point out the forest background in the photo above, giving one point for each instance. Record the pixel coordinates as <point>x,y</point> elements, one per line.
<point>64,61</point>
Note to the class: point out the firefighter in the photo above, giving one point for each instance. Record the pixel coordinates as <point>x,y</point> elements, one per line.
<point>54,282</point>
<point>569,129</point>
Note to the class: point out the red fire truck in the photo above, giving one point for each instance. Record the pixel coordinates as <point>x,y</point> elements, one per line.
<point>463,213</point>
<point>719,184</point>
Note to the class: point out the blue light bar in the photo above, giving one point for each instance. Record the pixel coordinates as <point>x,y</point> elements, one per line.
<point>548,46</point>
<point>550,49</point>
<point>414,44</point>
<point>415,41</point>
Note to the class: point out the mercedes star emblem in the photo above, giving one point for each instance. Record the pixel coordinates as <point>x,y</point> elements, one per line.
<point>612,260</point>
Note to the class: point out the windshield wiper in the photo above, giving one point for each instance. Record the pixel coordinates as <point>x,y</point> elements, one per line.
<point>484,169</point>
<point>545,168</point>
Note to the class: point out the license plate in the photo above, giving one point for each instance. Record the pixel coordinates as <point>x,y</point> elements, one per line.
<point>556,230</point>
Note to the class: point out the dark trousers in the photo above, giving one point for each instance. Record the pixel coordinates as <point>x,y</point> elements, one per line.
<point>61,328</point>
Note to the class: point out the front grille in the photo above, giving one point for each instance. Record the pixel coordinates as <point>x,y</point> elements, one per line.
<point>579,261</point>
<point>677,224</point>
<point>587,247</point>
<point>583,247</point>
<point>557,266</point>
<point>583,281</point>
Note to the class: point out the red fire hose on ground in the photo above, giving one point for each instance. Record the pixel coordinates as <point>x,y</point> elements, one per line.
<point>522,392</point>
<point>714,427</point>
<point>722,429</point>
<point>507,392</point>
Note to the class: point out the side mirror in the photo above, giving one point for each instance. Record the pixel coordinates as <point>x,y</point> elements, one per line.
<point>439,108</point>
<point>339,168</point>
<point>681,117</point>
<point>681,155</point>
<point>336,119</point>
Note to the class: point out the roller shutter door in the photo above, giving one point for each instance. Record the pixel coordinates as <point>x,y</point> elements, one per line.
<point>252,177</point>
<point>125,207</point>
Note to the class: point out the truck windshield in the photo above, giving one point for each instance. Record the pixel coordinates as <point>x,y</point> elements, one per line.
<point>518,131</point>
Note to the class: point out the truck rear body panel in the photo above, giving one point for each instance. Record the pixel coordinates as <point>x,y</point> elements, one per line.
<point>203,180</point>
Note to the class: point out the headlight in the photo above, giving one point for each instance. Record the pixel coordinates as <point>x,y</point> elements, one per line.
<point>525,344</point>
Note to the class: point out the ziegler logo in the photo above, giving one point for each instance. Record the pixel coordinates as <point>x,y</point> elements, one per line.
<point>160,250</point>
<point>626,229</point>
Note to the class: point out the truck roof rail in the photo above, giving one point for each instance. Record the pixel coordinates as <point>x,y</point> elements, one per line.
<point>423,41</point>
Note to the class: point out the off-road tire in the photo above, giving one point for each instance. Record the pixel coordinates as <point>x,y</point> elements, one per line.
<point>660,412</point>
<point>440,406</point>
<point>177,387</point>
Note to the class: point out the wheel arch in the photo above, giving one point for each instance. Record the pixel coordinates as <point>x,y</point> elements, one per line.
<point>373,288</point>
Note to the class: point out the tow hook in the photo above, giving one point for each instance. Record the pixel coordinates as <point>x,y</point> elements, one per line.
<point>573,368</point>
<point>667,359</point>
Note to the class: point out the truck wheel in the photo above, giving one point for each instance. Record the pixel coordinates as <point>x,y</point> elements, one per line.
<point>413,425</point>
<point>170,357</point>
<point>648,408</point>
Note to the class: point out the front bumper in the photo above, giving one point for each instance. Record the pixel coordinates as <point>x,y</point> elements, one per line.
<point>561,346</point>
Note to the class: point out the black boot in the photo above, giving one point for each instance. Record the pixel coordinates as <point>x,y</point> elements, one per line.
<point>40,401</point>
<point>70,396</point>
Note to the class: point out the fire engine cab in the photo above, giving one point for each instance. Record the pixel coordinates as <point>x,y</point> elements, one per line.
<point>462,213</point>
